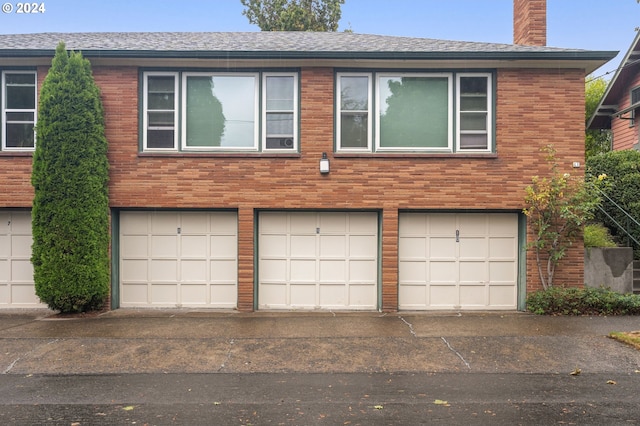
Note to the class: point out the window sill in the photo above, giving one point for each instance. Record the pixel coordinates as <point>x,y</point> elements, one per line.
<point>415,155</point>
<point>175,154</point>
<point>16,154</point>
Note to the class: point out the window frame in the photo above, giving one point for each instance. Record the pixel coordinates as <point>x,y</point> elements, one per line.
<point>145,109</point>
<point>453,114</point>
<point>370,119</point>
<point>4,110</point>
<point>378,102</point>
<point>489,111</point>
<point>263,112</point>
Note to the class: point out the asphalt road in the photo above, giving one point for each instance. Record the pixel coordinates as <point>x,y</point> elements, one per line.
<point>320,399</point>
<point>210,368</point>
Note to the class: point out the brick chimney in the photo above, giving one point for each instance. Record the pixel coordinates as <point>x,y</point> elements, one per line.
<point>530,22</point>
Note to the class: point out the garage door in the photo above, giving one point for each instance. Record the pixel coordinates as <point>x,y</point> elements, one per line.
<point>458,261</point>
<point>318,260</point>
<point>178,259</point>
<point>16,273</point>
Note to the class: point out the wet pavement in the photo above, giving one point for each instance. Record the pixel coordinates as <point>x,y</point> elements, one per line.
<point>185,366</point>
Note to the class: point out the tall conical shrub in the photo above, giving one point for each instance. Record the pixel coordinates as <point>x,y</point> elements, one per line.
<point>70,216</point>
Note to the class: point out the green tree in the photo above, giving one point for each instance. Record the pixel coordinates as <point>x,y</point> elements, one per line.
<point>293,15</point>
<point>558,207</point>
<point>596,141</point>
<point>70,252</point>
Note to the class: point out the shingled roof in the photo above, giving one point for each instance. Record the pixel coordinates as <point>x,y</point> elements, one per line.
<point>283,44</point>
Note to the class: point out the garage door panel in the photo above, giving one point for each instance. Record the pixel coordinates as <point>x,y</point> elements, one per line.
<point>223,295</point>
<point>333,223</point>
<point>330,246</point>
<point>194,246</point>
<point>363,271</point>
<point>502,272</point>
<point>303,295</point>
<point>441,224</point>
<point>193,294</point>
<point>473,272</point>
<point>164,223</point>
<point>442,248</point>
<point>302,246</point>
<point>460,269</point>
<point>473,248</point>
<point>193,271</point>
<point>363,246</point>
<point>326,253</point>
<point>22,272</point>
<point>223,246</point>
<point>273,270</point>
<point>5,294</point>
<point>333,271</point>
<point>164,246</point>
<point>21,223</point>
<point>473,295</point>
<point>5,243</point>
<point>302,270</point>
<point>194,223</point>
<point>163,271</point>
<point>413,248</point>
<point>277,245</point>
<point>303,223</point>
<point>135,293</point>
<point>443,295</point>
<point>443,272</point>
<point>361,296</point>
<point>411,272</point>
<point>136,224</point>
<point>133,271</point>
<point>134,246</point>
<point>164,294</point>
<point>224,272</point>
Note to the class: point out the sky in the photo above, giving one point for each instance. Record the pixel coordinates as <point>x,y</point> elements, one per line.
<point>601,25</point>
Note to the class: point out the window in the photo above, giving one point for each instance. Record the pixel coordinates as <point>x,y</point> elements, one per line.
<point>212,112</point>
<point>424,112</point>
<point>19,91</point>
<point>160,116</point>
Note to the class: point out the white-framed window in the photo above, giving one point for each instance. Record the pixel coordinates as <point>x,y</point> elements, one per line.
<point>279,111</point>
<point>474,105</point>
<point>220,111</point>
<point>160,116</point>
<point>19,110</point>
<point>414,112</point>
<point>353,104</point>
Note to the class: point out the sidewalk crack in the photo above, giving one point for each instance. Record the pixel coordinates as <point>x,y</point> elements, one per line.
<point>409,325</point>
<point>15,361</point>
<point>456,352</point>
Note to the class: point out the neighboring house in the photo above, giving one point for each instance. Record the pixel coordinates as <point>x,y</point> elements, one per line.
<point>619,108</point>
<point>221,196</point>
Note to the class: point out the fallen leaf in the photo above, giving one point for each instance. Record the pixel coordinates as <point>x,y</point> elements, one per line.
<point>576,372</point>
<point>217,403</point>
<point>128,408</point>
<point>441,402</point>
<point>378,407</point>
<point>611,382</point>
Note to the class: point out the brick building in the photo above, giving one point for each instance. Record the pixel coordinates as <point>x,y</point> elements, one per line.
<point>328,171</point>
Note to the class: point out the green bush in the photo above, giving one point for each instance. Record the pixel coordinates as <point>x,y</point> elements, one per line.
<point>623,187</point>
<point>70,216</point>
<point>582,301</point>
<point>597,235</point>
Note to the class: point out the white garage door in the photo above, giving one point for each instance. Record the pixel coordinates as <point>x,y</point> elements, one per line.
<point>318,260</point>
<point>458,261</point>
<point>178,259</point>
<point>16,273</point>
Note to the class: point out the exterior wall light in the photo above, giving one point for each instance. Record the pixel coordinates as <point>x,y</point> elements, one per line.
<point>324,164</point>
